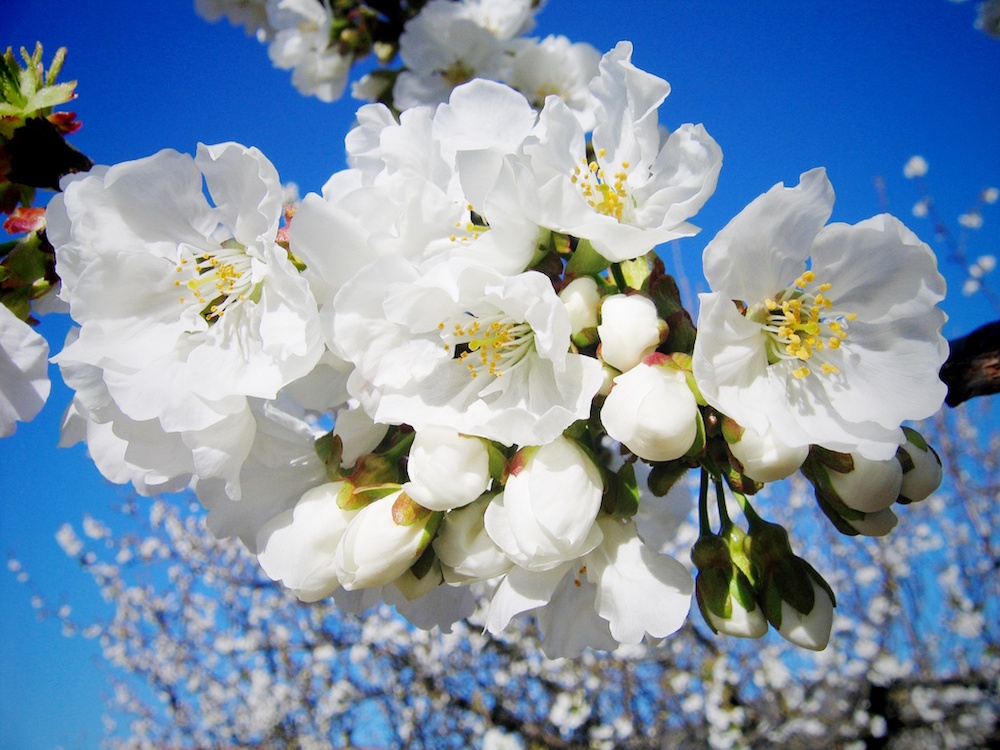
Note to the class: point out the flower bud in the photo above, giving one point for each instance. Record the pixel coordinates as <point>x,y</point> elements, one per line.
<point>766,458</point>
<point>870,486</point>
<point>298,547</point>
<point>795,598</point>
<point>582,300</point>
<point>652,412</point>
<point>546,513</point>
<point>447,470</point>
<point>383,540</point>
<point>629,330</point>
<point>413,586</point>
<point>465,549</point>
<point>923,472</point>
<point>724,593</point>
<point>879,523</point>
<point>809,629</point>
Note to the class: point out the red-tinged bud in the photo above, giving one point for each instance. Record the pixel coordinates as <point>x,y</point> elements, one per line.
<point>25,220</point>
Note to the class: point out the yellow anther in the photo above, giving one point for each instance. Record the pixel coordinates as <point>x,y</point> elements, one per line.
<point>802,372</point>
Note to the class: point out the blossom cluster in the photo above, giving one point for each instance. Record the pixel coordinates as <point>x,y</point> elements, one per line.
<point>475,307</point>
<point>440,44</point>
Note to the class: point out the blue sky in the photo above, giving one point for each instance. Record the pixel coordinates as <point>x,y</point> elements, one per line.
<point>784,86</point>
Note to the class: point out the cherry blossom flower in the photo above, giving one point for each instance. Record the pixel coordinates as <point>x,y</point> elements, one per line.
<point>620,592</point>
<point>187,310</point>
<point>643,183</point>
<point>301,43</point>
<point>24,379</point>
<point>837,352</point>
<point>464,347</point>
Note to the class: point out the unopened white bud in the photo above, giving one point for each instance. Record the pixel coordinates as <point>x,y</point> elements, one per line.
<point>298,547</point>
<point>767,458</point>
<point>546,514</point>
<point>629,330</point>
<point>872,485</point>
<point>465,549</point>
<point>810,630</point>
<point>652,412</point>
<point>741,623</point>
<point>878,523</point>
<point>447,470</point>
<point>376,549</point>
<point>926,473</point>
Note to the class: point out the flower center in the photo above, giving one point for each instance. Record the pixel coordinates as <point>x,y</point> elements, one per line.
<point>803,326</point>
<point>606,196</point>
<point>457,73</point>
<point>488,345</point>
<point>470,230</point>
<point>216,279</point>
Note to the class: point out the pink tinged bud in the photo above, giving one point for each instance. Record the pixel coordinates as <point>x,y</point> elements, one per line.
<point>923,473</point>
<point>810,630</point>
<point>447,470</point>
<point>383,540</point>
<point>871,486</point>
<point>766,458</point>
<point>298,546</point>
<point>547,511</point>
<point>878,523</point>
<point>629,330</point>
<point>652,412</point>
<point>25,220</point>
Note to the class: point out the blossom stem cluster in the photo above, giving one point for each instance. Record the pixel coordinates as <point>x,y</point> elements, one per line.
<point>476,308</point>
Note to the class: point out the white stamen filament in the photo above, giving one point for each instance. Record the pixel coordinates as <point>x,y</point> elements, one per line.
<point>222,278</point>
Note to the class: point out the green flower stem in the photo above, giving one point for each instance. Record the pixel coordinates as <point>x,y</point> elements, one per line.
<point>704,526</point>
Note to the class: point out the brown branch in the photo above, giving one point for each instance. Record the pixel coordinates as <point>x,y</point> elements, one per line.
<point>973,367</point>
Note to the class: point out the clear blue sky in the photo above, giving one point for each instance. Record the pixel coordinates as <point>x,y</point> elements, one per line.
<point>783,85</point>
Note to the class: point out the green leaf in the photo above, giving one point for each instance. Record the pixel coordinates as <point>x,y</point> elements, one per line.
<point>663,476</point>
<point>586,261</point>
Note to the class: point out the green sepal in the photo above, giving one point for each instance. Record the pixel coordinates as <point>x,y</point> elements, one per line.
<point>376,469</point>
<point>912,436</point>
<point>622,496</point>
<point>667,298</point>
<point>735,539</point>
<point>26,261</point>
<point>731,429</point>
<point>636,272</point>
<point>586,261</point>
<point>497,461</point>
<point>842,463</point>
<point>700,439</point>
<point>741,589</point>
<point>816,470</point>
<point>712,586</point>
<point>359,497</point>
<point>424,563</point>
<point>330,449</point>
<point>406,511</point>
<point>795,584</point>
<point>664,476</point>
<point>905,459</point>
